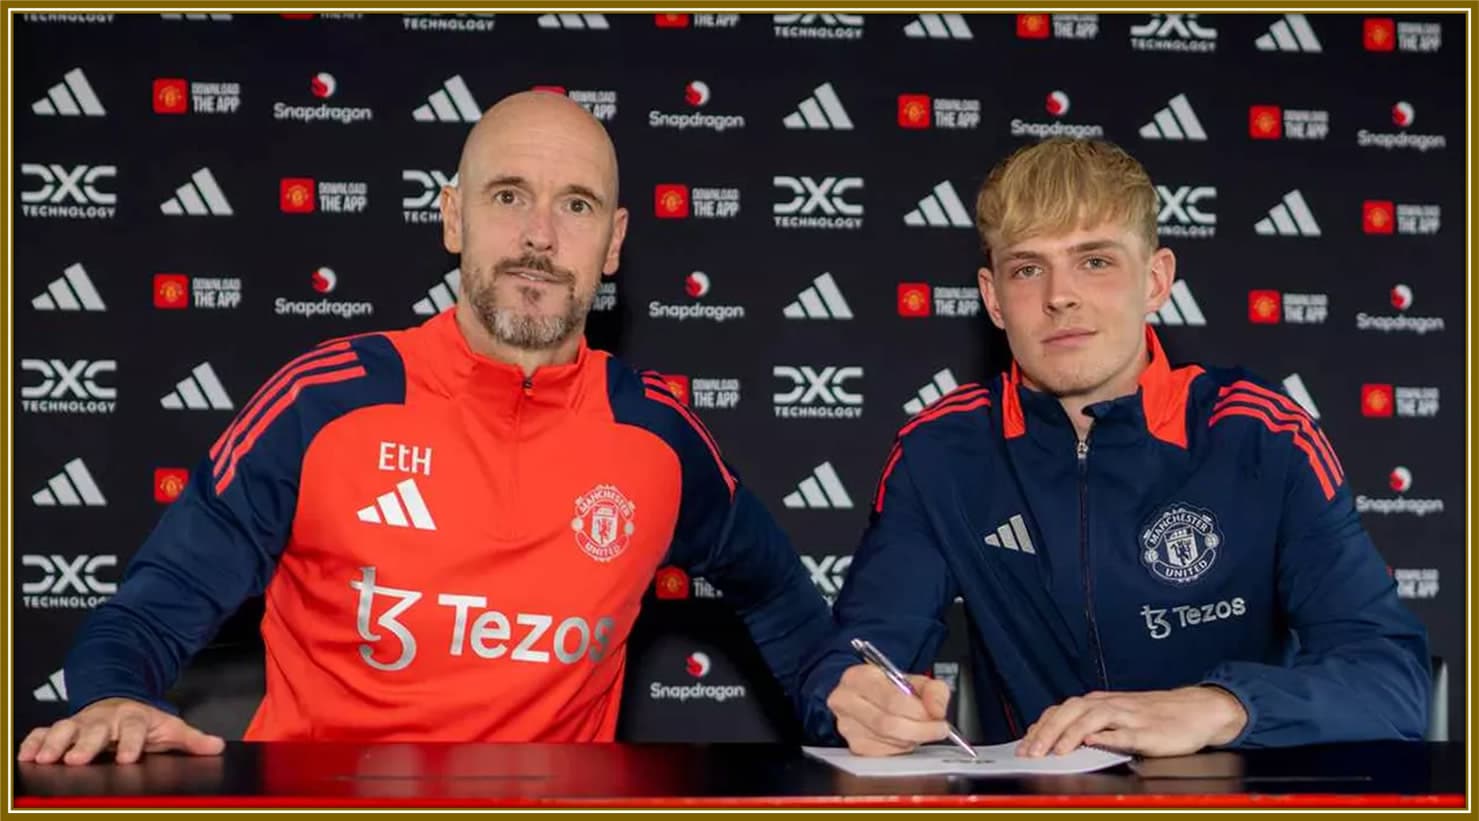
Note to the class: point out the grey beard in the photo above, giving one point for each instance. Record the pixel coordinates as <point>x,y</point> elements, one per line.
<point>534,333</point>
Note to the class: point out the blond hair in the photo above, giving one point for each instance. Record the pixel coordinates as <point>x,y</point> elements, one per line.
<point>1061,184</point>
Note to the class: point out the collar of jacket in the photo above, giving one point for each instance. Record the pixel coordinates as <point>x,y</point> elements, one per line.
<point>461,371</point>
<point>1157,408</point>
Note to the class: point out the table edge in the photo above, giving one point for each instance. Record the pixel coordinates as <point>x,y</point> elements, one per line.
<point>1290,800</point>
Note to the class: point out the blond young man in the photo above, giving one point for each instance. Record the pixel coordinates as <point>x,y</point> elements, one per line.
<point>1153,559</point>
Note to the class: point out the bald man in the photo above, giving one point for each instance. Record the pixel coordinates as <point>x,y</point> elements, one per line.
<point>453,524</point>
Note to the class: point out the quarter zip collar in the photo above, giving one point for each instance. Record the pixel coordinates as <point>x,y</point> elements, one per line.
<point>1156,409</point>
<point>502,386</point>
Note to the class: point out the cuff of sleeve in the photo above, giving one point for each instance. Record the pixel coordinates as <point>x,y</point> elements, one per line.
<point>1244,697</point>
<point>819,725</point>
<point>79,701</point>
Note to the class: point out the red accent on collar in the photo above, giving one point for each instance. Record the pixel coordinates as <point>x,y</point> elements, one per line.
<point>1163,394</point>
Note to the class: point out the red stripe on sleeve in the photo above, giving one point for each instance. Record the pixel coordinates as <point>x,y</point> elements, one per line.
<point>1286,409</point>
<point>267,389</point>
<point>969,400</point>
<point>1289,405</point>
<point>1279,427</point>
<point>244,447</point>
<point>888,469</point>
<point>966,399</point>
<point>703,433</point>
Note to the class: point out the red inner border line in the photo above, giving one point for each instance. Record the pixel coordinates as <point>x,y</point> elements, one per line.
<point>1299,800</point>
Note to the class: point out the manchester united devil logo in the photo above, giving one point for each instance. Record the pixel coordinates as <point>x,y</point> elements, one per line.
<point>603,522</point>
<point>1182,544</point>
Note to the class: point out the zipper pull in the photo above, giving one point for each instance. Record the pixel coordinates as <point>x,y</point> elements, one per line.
<point>528,386</point>
<point>1083,451</point>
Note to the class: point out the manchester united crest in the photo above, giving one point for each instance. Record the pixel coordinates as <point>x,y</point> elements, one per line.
<point>603,522</point>
<point>1182,544</point>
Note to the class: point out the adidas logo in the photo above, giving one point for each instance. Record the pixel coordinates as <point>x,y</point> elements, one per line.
<point>939,27</point>
<point>442,296</point>
<point>941,209</point>
<point>55,688</point>
<point>73,487</point>
<point>201,390</point>
<point>1290,218</point>
<point>72,291</point>
<point>1174,122</point>
<point>72,97</point>
<point>1294,386</point>
<point>1013,536</point>
<point>573,21</point>
<point>822,300</point>
<point>391,508</point>
<point>200,197</point>
<point>1180,309</point>
<point>821,110</point>
<point>1292,33</point>
<point>822,489</point>
<point>942,383</point>
<point>452,103</point>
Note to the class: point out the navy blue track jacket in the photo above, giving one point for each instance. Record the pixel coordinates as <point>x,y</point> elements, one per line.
<point>1203,533</point>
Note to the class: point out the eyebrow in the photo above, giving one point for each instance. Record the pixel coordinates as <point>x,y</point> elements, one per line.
<point>1081,248</point>
<point>1096,245</point>
<point>520,182</point>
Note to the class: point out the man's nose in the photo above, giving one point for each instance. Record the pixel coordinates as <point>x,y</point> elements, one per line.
<point>1061,294</point>
<point>539,231</point>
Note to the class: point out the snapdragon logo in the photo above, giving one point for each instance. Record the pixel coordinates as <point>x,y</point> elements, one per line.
<point>697,665</point>
<point>696,96</point>
<point>1401,297</point>
<point>323,86</point>
<point>1057,104</point>
<point>1403,115</point>
<point>697,286</point>
<point>696,692</point>
<point>324,281</point>
<point>1400,481</point>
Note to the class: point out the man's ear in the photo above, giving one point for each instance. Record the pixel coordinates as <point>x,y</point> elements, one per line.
<point>984,281</point>
<point>1158,283</point>
<point>451,220</point>
<point>618,235</point>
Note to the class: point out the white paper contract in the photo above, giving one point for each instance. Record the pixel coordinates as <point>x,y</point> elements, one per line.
<point>998,759</point>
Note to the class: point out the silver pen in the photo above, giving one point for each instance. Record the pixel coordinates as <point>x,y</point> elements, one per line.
<point>871,655</point>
